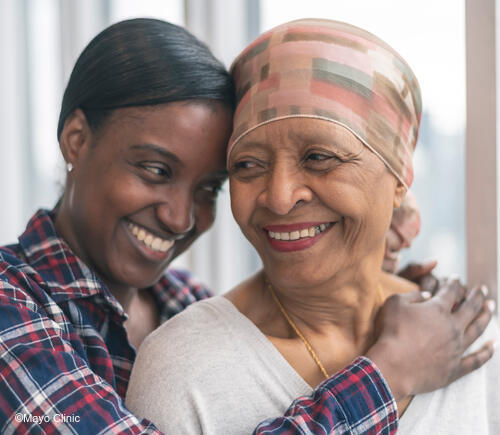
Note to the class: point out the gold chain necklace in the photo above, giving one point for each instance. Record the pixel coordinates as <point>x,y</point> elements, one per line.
<point>297,331</point>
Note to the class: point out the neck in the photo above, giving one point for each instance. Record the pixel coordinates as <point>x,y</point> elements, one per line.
<point>125,295</point>
<point>344,306</point>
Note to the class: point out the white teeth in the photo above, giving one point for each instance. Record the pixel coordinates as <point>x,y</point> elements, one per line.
<point>156,244</point>
<point>166,245</point>
<point>150,240</point>
<point>299,234</point>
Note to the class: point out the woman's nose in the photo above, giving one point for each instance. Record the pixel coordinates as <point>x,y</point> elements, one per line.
<point>178,213</point>
<point>285,188</point>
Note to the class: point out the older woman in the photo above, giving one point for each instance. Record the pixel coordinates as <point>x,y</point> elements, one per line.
<point>320,155</point>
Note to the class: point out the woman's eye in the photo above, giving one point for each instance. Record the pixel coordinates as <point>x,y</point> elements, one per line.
<point>157,170</point>
<point>318,157</point>
<point>248,169</point>
<point>244,165</point>
<point>321,161</point>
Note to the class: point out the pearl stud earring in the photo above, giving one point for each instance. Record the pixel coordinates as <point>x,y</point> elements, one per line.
<point>69,167</point>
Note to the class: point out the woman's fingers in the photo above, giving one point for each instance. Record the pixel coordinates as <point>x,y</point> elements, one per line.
<point>477,326</point>
<point>472,305</point>
<point>450,293</point>
<point>416,271</point>
<point>475,360</point>
<point>416,296</point>
<point>429,283</point>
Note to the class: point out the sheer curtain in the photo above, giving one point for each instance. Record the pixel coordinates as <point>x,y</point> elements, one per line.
<point>39,44</point>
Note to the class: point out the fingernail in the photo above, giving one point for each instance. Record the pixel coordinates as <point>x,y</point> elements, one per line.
<point>484,289</point>
<point>490,303</point>
<point>426,295</point>
<point>454,277</point>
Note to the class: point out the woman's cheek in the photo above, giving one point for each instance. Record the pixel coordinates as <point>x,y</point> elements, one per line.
<point>205,218</point>
<point>237,194</point>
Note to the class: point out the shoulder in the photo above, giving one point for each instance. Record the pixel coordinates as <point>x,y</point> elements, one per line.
<point>183,279</point>
<point>176,290</point>
<point>11,262</point>
<point>17,283</point>
<point>468,405</point>
<point>194,339</point>
<point>198,323</point>
<point>24,318</point>
<point>178,356</point>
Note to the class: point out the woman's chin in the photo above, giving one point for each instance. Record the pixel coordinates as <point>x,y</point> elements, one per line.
<point>297,277</point>
<point>135,276</point>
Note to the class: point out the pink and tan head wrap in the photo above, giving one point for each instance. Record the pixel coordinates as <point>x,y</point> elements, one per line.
<point>336,72</point>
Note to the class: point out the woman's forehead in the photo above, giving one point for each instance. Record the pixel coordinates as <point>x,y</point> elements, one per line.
<point>334,71</point>
<point>300,132</point>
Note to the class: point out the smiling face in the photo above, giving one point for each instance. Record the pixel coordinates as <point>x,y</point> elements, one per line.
<point>143,187</point>
<point>311,198</point>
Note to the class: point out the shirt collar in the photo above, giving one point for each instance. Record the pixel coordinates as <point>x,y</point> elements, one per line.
<point>66,276</point>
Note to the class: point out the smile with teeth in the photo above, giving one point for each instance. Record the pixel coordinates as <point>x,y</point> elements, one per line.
<point>300,234</point>
<point>150,240</point>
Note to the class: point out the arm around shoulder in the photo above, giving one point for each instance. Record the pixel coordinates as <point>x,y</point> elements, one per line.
<point>354,400</point>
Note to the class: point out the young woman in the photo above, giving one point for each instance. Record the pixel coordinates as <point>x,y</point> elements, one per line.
<point>144,125</point>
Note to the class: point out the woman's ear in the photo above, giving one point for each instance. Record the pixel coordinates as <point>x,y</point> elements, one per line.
<point>399,194</point>
<point>75,138</point>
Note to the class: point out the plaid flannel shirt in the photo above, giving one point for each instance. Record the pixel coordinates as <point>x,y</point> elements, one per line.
<point>65,359</point>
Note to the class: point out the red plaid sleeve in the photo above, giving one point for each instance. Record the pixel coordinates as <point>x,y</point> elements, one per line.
<point>46,386</point>
<point>356,400</point>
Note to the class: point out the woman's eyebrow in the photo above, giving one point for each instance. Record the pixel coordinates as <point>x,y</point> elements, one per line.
<point>323,138</point>
<point>158,150</point>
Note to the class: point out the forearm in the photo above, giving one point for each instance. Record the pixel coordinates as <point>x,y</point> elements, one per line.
<point>355,400</point>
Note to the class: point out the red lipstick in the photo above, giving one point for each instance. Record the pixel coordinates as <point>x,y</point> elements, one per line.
<point>295,245</point>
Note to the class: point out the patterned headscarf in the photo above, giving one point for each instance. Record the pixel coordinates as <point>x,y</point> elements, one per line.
<point>329,70</point>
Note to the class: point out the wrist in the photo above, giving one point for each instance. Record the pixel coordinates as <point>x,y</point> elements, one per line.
<point>392,372</point>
